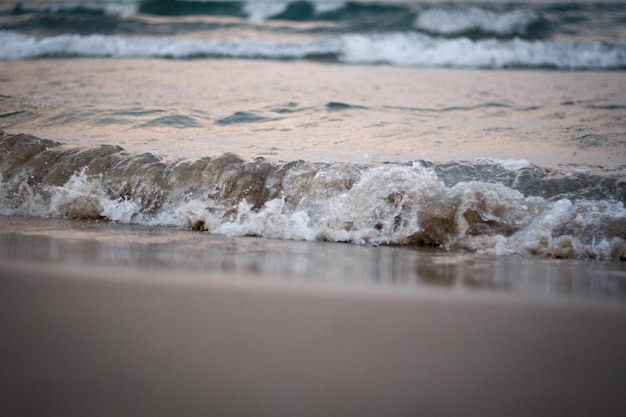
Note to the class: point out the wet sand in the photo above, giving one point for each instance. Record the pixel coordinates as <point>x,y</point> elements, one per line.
<point>99,319</point>
<point>103,341</point>
<point>86,244</point>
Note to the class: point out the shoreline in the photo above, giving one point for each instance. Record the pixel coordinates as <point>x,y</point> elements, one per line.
<point>58,242</point>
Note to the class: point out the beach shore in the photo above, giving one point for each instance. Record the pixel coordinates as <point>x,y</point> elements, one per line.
<point>104,244</point>
<point>104,341</point>
<point>311,209</point>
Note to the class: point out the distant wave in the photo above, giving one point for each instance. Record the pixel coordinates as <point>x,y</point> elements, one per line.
<point>477,22</point>
<point>277,10</point>
<point>407,49</point>
<point>458,21</point>
<point>550,34</point>
<point>488,206</point>
<point>413,49</point>
<point>110,8</point>
<point>257,10</point>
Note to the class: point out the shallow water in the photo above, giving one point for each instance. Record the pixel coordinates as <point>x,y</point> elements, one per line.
<point>311,111</point>
<point>483,130</point>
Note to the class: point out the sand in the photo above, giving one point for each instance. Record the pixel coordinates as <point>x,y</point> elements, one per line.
<point>96,341</point>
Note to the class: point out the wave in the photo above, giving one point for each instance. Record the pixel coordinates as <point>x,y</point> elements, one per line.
<point>474,22</point>
<point>483,36</point>
<point>571,21</point>
<point>276,10</point>
<point>424,51</point>
<point>107,8</point>
<point>486,206</point>
<point>407,49</point>
<point>185,8</point>
<point>457,21</point>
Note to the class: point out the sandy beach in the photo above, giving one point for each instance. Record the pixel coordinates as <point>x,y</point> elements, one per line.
<point>101,342</point>
<point>312,208</point>
<point>101,319</point>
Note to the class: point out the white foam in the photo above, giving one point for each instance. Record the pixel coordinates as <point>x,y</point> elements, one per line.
<point>414,49</point>
<point>18,46</point>
<point>121,210</point>
<point>126,8</point>
<point>261,10</point>
<point>410,49</point>
<point>83,196</point>
<point>573,229</point>
<point>389,205</point>
<point>453,21</point>
<point>274,221</point>
<point>328,6</point>
<point>258,10</point>
<point>512,165</point>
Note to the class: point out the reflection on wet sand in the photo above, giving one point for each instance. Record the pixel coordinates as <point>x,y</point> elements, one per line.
<point>83,243</point>
<point>93,340</point>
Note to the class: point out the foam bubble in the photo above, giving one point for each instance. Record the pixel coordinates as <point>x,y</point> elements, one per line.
<point>85,197</point>
<point>257,10</point>
<point>453,21</point>
<point>574,229</point>
<point>512,165</point>
<point>328,6</point>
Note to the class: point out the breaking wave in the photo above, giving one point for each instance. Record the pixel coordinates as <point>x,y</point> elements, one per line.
<point>486,206</point>
<point>475,22</point>
<point>408,49</point>
<point>562,36</point>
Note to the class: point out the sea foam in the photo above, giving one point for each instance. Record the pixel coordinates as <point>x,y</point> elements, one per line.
<point>457,21</point>
<point>399,48</point>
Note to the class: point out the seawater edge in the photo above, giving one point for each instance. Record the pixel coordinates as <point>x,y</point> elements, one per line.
<point>174,253</point>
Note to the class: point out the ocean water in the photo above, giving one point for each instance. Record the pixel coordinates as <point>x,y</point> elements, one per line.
<point>494,131</point>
